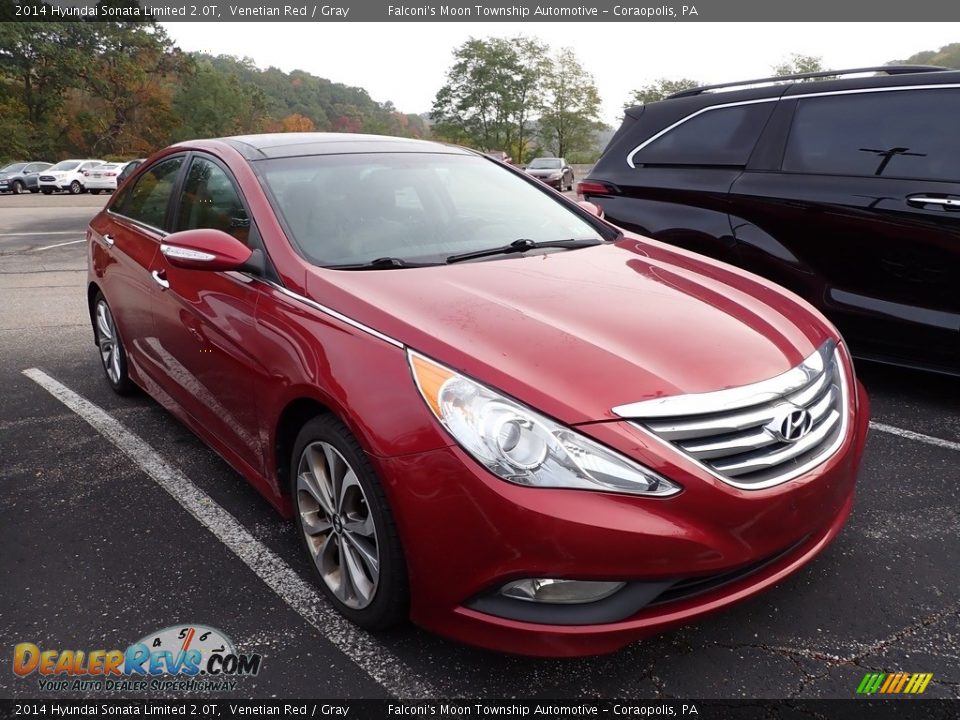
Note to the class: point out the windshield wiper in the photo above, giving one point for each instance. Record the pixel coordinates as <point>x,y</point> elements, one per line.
<point>382,263</point>
<point>523,245</point>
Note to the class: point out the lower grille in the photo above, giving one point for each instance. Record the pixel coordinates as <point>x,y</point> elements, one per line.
<point>758,435</point>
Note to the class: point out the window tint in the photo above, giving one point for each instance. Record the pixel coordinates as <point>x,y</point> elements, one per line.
<point>909,134</point>
<point>210,200</point>
<point>716,137</point>
<point>147,200</point>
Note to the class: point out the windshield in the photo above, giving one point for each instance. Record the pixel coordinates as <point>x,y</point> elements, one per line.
<point>65,165</point>
<point>14,168</point>
<point>417,207</point>
<point>545,164</point>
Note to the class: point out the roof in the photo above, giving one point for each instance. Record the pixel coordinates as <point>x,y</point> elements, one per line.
<point>277,145</point>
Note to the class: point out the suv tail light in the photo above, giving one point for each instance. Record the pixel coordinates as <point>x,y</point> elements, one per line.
<point>590,187</point>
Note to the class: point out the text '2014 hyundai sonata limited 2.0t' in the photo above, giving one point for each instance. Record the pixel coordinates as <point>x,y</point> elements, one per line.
<point>485,408</point>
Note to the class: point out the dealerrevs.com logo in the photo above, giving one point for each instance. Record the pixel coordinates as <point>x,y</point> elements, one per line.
<point>188,658</point>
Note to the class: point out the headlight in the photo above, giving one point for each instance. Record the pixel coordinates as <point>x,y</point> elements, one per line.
<point>522,446</point>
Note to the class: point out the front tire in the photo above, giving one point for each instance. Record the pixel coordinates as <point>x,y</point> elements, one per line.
<point>76,188</point>
<point>113,356</point>
<point>344,521</point>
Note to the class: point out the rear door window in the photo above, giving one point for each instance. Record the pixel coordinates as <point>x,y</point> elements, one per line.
<point>722,136</point>
<point>898,134</point>
<point>147,201</point>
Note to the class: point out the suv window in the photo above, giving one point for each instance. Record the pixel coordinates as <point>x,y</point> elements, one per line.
<point>725,136</point>
<point>210,200</point>
<point>905,134</point>
<point>147,201</point>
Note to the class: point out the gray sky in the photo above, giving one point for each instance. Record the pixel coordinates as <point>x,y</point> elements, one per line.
<point>406,61</point>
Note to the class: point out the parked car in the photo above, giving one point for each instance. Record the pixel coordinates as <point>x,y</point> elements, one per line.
<point>484,407</point>
<point>66,175</point>
<point>128,170</point>
<point>555,172</point>
<point>846,191</point>
<point>102,177</point>
<point>20,177</point>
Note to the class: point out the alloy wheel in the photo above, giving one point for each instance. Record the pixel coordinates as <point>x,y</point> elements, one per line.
<point>107,337</point>
<point>17,187</point>
<point>337,525</point>
<point>75,187</point>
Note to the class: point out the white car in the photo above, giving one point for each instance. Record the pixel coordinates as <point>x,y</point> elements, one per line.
<point>66,175</point>
<point>102,177</point>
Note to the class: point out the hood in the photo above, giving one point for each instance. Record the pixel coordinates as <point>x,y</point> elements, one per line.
<point>576,333</point>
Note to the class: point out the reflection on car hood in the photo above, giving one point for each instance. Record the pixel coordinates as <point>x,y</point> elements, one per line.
<point>576,333</point>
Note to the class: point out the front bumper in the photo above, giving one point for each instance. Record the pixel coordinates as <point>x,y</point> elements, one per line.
<point>467,533</point>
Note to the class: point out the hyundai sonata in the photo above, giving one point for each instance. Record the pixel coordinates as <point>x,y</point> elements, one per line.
<point>485,408</point>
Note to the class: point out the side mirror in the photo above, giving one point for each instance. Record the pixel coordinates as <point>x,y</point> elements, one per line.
<point>205,249</point>
<point>595,210</point>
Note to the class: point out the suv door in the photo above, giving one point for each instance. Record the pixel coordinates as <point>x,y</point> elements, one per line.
<point>674,185</point>
<point>863,218</point>
<point>126,237</point>
<point>205,323</point>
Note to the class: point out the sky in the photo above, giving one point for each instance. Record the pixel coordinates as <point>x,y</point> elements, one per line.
<point>406,62</point>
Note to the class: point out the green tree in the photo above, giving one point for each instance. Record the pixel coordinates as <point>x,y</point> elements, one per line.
<point>571,107</point>
<point>947,56</point>
<point>797,64</point>
<point>39,62</point>
<point>493,91</point>
<point>658,90</point>
<point>212,103</point>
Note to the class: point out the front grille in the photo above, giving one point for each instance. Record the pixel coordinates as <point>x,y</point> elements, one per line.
<point>47,178</point>
<point>758,435</point>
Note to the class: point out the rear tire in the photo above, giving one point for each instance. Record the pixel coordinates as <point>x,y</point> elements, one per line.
<point>17,187</point>
<point>47,191</point>
<point>113,356</point>
<point>345,524</point>
<point>94,192</point>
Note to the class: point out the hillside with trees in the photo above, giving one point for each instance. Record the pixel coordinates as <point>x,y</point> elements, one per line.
<point>120,90</point>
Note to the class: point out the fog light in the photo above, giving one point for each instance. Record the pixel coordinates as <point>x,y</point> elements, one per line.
<point>550,590</point>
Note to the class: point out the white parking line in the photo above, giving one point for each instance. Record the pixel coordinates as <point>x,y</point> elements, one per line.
<point>919,437</point>
<point>48,247</point>
<point>395,676</point>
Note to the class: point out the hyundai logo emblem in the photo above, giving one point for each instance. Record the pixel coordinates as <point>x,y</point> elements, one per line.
<point>791,424</point>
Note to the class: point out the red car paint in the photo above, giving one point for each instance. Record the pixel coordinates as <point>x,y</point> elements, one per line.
<point>571,334</point>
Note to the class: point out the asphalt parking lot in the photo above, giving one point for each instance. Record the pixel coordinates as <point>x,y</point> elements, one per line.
<point>97,553</point>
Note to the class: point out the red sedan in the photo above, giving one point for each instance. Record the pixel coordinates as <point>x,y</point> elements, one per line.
<point>485,408</point>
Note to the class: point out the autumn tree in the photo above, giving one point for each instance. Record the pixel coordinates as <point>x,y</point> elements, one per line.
<point>570,114</point>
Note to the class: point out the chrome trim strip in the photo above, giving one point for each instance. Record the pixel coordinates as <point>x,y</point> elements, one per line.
<point>334,314</point>
<point>778,98</point>
<point>796,472</point>
<point>151,228</point>
<point>775,388</point>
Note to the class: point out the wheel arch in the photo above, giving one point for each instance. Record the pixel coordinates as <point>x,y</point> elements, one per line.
<point>92,291</point>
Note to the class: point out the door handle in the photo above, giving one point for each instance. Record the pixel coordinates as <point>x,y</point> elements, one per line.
<point>108,239</point>
<point>946,203</point>
<point>159,277</point>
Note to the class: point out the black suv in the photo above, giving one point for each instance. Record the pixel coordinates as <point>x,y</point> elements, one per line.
<point>846,191</point>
